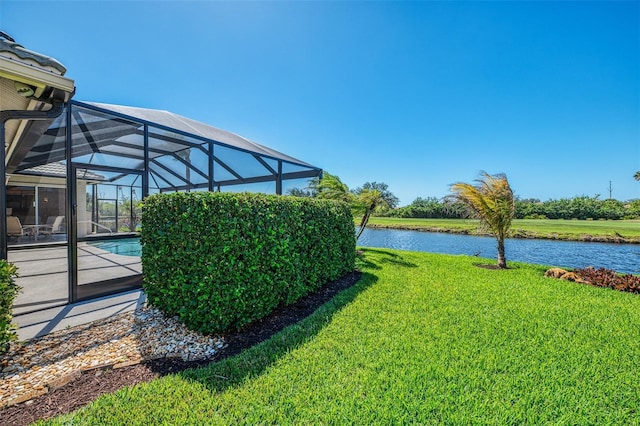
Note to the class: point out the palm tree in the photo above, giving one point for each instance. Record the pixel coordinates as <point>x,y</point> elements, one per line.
<point>491,200</point>
<point>331,187</point>
<point>368,200</point>
<point>364,201</point>
<point>637,175</point>
<point>390,199</point>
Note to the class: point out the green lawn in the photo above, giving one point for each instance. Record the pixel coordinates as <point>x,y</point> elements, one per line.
<point>628,230</point>
<point>422,338</point>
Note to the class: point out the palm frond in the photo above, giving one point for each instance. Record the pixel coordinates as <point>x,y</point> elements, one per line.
<point>331,187</point>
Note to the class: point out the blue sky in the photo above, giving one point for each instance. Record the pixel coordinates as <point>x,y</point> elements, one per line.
<point>418,95</point>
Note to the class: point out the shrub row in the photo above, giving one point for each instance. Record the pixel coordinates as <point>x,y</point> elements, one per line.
<point>8,292</point>
<point>582,207</point>
<point>222,260</point>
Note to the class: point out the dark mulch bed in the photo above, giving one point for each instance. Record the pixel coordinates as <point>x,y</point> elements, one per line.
<point>489,266</point>
<point>91,384</point>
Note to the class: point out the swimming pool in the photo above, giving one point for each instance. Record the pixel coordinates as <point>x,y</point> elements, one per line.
<point>124,247</point>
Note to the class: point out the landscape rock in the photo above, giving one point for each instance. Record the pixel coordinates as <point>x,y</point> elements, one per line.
<point>555,272</point>
<point>37,366</point>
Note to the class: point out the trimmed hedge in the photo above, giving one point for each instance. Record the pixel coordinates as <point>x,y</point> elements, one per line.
<point>8,292</point>
<point>222,260</point>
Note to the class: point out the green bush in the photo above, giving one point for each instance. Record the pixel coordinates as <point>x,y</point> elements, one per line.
<point>8,292</point>
<point>581,207</point>
<point>222,260</point>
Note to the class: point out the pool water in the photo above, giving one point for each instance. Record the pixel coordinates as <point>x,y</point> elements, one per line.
<point>124,247</point>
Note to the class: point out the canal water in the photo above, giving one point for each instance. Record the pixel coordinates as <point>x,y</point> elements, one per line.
<point>569,254</point>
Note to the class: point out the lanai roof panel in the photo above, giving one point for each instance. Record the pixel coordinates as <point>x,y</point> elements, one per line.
<point>187,125</point>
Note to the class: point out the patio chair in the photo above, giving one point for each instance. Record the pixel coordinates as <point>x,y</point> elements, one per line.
<point>54,225</point>
<point>15,229</point>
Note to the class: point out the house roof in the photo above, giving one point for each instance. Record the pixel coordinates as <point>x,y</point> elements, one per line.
<point>29,81</point>
<point>60,170</point>
<point>43,73</point>
<point>14,51</point>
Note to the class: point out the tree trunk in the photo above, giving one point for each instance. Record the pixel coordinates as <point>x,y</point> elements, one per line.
<point>363,223</point>
<point>502,260</point>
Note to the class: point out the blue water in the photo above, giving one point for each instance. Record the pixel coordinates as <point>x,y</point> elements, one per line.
<point>124,247</point>
<point>569,254</point>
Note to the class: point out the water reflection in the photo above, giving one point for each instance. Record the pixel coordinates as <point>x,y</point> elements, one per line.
<point>621,257</point>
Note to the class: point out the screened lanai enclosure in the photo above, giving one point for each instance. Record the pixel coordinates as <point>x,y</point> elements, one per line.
<point>74,186</point>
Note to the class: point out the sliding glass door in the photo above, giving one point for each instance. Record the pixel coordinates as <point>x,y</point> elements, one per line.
<point>37,241</point>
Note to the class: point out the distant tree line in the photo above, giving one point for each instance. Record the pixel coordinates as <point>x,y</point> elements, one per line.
<point>375,199</point>
<point>582,207</point>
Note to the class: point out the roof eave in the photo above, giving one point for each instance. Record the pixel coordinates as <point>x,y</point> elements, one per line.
<point>39,78</point>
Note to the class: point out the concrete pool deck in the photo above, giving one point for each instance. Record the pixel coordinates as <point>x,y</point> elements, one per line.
<point>41,307</point>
